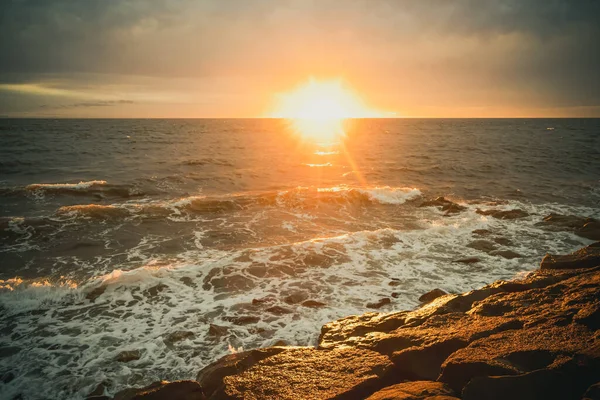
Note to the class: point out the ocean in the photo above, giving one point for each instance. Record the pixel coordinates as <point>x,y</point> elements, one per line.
<point>181,241</point>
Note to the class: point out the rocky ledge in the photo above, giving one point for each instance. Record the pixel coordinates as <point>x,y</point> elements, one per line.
<point>535,338</point>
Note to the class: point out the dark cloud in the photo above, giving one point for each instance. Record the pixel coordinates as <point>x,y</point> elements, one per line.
<point>87,104</point>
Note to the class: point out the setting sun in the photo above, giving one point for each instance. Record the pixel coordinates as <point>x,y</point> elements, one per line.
<point>318,108</point>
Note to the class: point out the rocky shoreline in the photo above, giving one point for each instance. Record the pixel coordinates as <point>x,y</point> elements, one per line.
<point>535,338</point>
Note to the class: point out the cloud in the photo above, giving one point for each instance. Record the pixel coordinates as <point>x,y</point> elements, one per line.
<point>520,52</point>
<point>104,103</point>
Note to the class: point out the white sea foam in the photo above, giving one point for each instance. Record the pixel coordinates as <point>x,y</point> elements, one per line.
<point>391,195</point>
<point>61,331</point>
<point>71,186</point>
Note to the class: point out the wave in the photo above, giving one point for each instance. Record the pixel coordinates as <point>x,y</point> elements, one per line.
<point>64,186</point>
<point>95,188</point>
<point>297,198</point>
<point>96,211</point>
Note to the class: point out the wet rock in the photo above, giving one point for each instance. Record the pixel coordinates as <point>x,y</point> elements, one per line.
<point>180,390</point>
<point>295,298</point>
<point>155,290</point>
<point>307,373</point>
<point>593,392</point>
<point>179,336</point>
<point>128,355</point>
<point>98,392</point>
<point>278,310</point>
<point>394,283</point>
<point>508,254</point>
<point>242,320</point>
<point>395,295</point>
<point>431,295</point>
<point>9,351</point>
<point>186,280</point>
<point>482,245</point>
<point>482,232</point>
<point>587,257</point>
<point>281,343</point>
<point>503,214</point>
<point>380,303</point>
<point>417,390</point>
<point>468,260</point>
<point>591,230</point>
<point>443,204</point>
<point>313,304</point>
<point>263,300</point>
<point>257,270</point>
<point>217,331</point>
<point>503,241</point>
<point>7,377</point>
<point>95,293</point>
<point>588,228</point>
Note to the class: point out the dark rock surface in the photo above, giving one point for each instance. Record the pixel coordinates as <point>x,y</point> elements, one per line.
<point>503,214</point>
<point>129,355</point>
<point>449,207</point>
<point>535,338</point>
<point>431,295</point>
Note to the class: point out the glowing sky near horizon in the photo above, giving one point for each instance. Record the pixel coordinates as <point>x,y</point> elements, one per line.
<point>208,58</point>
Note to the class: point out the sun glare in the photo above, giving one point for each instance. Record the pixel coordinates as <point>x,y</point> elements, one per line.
<point>317,109</point>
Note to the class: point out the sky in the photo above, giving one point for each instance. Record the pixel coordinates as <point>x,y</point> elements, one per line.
<point>232,58</point>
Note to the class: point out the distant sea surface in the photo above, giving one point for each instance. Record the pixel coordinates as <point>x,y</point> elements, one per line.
<point>184,240</point>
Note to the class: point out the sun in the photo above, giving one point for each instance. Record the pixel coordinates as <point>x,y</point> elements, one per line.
<point>317,108</point>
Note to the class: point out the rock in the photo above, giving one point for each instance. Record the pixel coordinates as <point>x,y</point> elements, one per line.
<point>481,232</point>
<point>212,376</point>
<point>9,351</point>
<point>417,390</point>
<point>541,384</point>
<point>394,283</point>
<point>536,337</point>
<point>295,298</point>
<point>277,310</point>
<point>469,260</point>
<point>431,295</point>
<point>180,390</point>
<point>128,355</point>
<point>281,343</point>
<point>482,245</point>
<point>503,241</point>
<point>242,320</point>
<point>591,230</point>
<point>448,206</point>
<point>217,331</point>
<point>313,304</point>
<point>7,377</point>
<point>95,293</point>
<point>178,336</point>
<point>587,257</point>
<point>186,280</point>
<point>588,228</point>
<point>155,290</point>
<point>395,295</point>
<point>380,303</point>
<point>503,214</point>
<point>593,392</point>
<point>263,300</point>
<point>508,254</point>
<point>307,373</point>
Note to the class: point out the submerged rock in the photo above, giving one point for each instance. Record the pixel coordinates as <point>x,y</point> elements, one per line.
<point>468,260</point>
<point>503,214</point>
<point>313,304</point>
<point>443,204</point>
<point>508,254</point>
<point>380,303</point>
<point>179,336</point>
<point>588,228</point>
<point>128,355</point>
